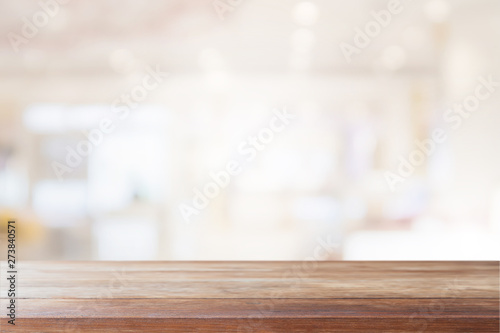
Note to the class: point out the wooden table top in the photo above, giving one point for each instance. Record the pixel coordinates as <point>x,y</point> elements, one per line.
<point>245,297</point>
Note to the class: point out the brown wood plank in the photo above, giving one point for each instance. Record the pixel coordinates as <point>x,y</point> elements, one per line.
<point>263,326</point>
<point>257,279</point>
<point>256,307</point>
<point>255,297</point>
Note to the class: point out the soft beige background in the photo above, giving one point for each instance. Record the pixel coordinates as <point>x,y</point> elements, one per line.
<point>319,182</point>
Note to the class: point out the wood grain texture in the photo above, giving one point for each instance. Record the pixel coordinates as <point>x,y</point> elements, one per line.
<point>255,297</point>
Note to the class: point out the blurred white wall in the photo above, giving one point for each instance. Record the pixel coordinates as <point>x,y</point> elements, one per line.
<point>322,175</point>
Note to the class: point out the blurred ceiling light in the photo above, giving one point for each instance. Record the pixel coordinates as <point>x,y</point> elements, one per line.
<point>59,204</point>
<point>84,117</point>
<point>44,119</point>
<point>305,13</point>
<point>122,61</point>
<point>302,40</point>
<point>437,10</point>
<point>393,57</point>
<point>316,208</point>
<point>414,37</point>
<point>211,60</point>
<point>47,118</point>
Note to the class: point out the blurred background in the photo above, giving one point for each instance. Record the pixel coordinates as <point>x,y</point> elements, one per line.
<point>321,181</point>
